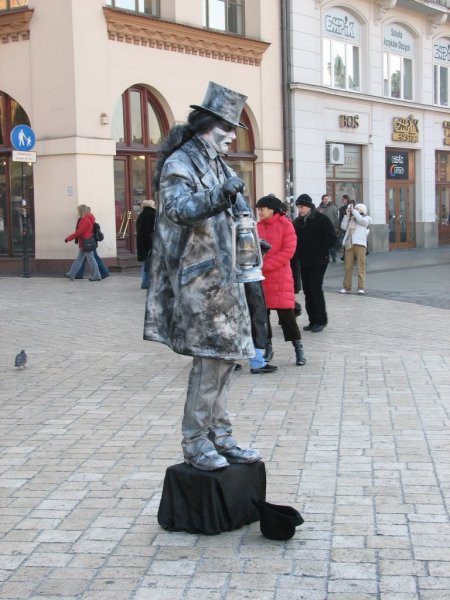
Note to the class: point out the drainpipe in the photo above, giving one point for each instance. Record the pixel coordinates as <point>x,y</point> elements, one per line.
<point>286,70</point>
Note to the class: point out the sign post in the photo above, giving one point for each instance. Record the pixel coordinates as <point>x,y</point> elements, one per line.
<point>23,141</point>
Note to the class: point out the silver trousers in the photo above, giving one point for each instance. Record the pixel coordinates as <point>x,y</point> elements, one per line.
<point>206,424</point>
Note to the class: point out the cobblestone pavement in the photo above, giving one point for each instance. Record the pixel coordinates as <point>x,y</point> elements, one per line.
<point>357,440</point>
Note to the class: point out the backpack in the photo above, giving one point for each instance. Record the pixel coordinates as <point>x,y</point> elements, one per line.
<point>97,233</point>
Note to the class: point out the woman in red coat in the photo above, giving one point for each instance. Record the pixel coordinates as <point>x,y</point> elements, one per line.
<point>278,285</point>
<point>84,231</point>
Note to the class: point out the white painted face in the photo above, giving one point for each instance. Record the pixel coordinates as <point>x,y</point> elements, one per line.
<point>221,137</point>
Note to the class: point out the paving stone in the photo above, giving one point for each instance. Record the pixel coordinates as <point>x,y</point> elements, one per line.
<point>364,457</point>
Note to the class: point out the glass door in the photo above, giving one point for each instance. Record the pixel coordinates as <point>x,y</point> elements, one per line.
<point>122,204</point>
<point>443,213</point>
<point>400,210</point>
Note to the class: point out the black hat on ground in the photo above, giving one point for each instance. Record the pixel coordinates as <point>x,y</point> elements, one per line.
<point>271,202</point>
<point>277,522</point>
<point>305,200</point>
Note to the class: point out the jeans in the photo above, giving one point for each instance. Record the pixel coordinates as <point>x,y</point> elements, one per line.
<point>206,422</point>
<point>104,271</point>
<point>258,362</point>
<point>145,276</point>
<point>77,263</point>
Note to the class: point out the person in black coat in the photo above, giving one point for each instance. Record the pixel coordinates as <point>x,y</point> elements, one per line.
<point>145,224</point>
<point>315,236</point>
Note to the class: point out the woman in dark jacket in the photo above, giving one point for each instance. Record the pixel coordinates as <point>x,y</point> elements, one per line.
<point>145,224</point>
<point>278,284</point>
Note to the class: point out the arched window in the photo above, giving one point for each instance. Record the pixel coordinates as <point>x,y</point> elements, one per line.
<point>16,184</point>
<point>138,125</point>
<point>341,50</point>
<point>242,157</point>
<point>398,62</point>
<point>441,68</point>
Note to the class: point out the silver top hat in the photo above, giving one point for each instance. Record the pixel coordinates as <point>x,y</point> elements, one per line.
<point>223,103</point>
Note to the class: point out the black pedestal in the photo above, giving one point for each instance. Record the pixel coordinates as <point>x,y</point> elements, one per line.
<point>211,502</point>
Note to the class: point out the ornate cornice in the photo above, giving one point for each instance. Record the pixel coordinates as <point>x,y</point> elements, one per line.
<point>15,26</point>
<point>382,7</point>
<point>154,33</point>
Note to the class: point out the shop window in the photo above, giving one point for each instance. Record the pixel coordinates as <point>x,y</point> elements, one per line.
<point>224,15</point>
<point>443,196</point>
<point>138,126</point>
<point>146,7</point>
<point>16,184</point>
<point>398,62</point>
<point>137,119</point>
<point>341,50</point>
<point>6,5</point>
<point>441,68</point>
<point>346,178</point>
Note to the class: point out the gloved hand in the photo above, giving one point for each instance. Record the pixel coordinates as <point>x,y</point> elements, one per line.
<point>232,186</point>
<point>66,240</point>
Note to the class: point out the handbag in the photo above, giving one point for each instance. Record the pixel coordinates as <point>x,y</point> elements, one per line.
<point>89,245</point>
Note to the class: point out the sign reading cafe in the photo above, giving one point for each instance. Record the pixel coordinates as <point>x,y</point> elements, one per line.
<point>341,24</point>
<point>405,129</point>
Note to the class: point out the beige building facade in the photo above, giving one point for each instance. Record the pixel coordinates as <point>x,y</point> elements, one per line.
<point>100,84</point>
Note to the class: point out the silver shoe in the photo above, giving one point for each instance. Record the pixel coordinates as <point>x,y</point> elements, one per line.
<point>207,461</point>
<point>241,455</point>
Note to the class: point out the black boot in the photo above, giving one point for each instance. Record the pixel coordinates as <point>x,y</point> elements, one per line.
<point>300,358</point>
<point>268,354</point>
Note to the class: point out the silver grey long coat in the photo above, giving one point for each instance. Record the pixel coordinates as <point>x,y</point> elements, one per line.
<point>193,303</point>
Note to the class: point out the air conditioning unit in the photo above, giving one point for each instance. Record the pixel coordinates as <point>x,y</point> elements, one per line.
<point>335,154</point>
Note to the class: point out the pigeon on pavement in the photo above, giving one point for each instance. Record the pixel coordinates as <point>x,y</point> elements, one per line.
<point>21,359</point>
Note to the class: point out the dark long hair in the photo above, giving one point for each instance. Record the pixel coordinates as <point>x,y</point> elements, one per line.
<point>198,122</point>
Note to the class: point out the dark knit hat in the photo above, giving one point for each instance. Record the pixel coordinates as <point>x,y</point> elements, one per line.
<point>271,202</point>
<point>305,200</point>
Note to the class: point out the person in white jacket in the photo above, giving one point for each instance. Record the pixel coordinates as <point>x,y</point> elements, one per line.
<point>356,226</point>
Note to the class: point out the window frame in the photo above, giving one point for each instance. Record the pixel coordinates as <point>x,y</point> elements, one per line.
<point>227,3</point>
<point>10,8</point>
<point>146,97</point>
<point>437,67</point>
<point>387,57</point>
<point>156,14</point>
<point>329,41</point>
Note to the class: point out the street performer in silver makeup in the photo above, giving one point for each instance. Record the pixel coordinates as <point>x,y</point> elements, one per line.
<point>194,304</point>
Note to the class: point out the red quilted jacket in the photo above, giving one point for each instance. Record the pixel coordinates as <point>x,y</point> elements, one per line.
<point>84,230</point>
<point>279,284</point>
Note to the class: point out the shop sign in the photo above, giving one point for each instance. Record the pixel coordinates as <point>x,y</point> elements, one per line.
<point>441,51</point>
<point>397,39</point>
<point>341,24</point>
<point>397,165</point>
<point>405,129</point>
<point>350,121</point>
<point>446,126</point>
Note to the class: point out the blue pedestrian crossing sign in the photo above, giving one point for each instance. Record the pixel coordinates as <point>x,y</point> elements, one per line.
<point>22,137</point>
